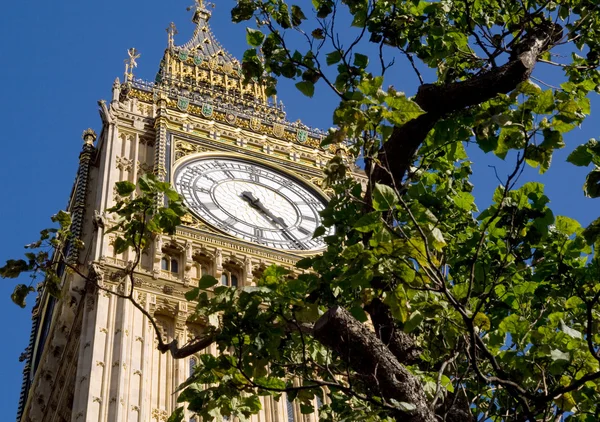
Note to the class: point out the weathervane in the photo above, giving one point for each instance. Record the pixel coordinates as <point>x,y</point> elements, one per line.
<point>130,63</point>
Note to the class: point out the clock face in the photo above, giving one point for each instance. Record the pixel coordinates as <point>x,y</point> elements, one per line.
<point>252,202</point>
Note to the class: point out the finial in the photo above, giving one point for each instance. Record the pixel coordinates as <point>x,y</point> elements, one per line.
<point>89,136</point>
<point>171,31</point>
<point>201,13</point>
<point>130,63</point>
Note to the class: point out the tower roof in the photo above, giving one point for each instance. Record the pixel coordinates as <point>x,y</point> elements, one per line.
<point>204,78</point>
<point>203,42</point>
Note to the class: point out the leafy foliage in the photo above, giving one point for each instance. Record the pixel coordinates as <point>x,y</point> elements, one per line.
<point>497,309</point>
<point>139,219</point>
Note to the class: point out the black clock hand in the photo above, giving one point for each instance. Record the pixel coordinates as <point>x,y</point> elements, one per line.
<point>255,203</point>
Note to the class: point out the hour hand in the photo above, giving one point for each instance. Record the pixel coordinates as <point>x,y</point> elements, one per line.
<point>255,203</point>
<point>250,198</point>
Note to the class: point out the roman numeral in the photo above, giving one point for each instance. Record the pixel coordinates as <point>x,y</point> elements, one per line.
<point>258,233</point>
<point>303,230</point>
<point>308,218</point>
<point>229,174</point>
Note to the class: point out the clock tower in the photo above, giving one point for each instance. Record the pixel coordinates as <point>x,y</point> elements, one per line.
<point>250,178</point>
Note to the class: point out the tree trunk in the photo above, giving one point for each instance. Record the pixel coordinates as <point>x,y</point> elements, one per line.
<point>373,361</point>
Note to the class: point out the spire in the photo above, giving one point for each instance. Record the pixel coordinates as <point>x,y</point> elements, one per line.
<point>171,31</point>
<point>202,65</point>
<point>203,42</point>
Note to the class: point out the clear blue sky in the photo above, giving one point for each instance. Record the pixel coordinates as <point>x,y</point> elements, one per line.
<point>60,58</point>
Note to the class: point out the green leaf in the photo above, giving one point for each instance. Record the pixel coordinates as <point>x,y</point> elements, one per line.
<point>318,34</point>
<point>13,268</point>
<point>254,37</point>
<point>192,294</point>
<point>120,245</point>
<point>482,321</point>
<point>570,331</point>
<point>592,232</point>
<point>416,318</point>
<point>297,15</point>
<point>566,225</point>
<point>464,200</point>
<point>384,197</point>
<point>306,87</point>
<point>437,238</point>
<point>557,355</point>
<point>207,281</point>
<point>360,60</point>
<point>125,188</point>
<point>177,416</point>
<point>333,57</point>
<point>319,231</point>
<point>544,102</point>
<point>368,222</point>
<point>20,293</point>
<point>63,218</point>
<point>591,188</point>
<point>309,313</point>
<point>359,313</point>
<point>580,156</point>
<point>402,109</point>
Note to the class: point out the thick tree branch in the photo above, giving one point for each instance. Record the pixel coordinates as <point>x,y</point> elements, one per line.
<point>373,361</point>
<point>400,344</point>
<point>440,100</point>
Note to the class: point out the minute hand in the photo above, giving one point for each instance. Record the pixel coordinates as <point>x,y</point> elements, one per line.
<point>255,203</point>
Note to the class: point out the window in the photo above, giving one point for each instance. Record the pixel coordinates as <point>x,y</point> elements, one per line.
<point>229,278</point>
<point>169,264</point>
<point>193,364</point>
<point>290,410</point>
<point>202,265</point>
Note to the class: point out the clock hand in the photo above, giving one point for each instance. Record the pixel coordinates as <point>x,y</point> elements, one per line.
<point>255,203</point>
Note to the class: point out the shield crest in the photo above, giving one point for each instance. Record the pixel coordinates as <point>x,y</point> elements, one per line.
<point>207,110</point>
<point>231,118</point>
<point>255,123</point>
<point>301,135</point>
<point>228,67</point>
<point>278,130</point>
<point>183,55</point>
<point>198,59</point>
<point>183,103</point>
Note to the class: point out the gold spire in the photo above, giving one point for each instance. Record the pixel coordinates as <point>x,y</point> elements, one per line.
<point>171,31</point>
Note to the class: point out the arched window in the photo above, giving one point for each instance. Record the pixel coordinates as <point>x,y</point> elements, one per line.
<point>174,266</point>
<point>229,278</point>
<point>202,265</point>
<point>169,264</point>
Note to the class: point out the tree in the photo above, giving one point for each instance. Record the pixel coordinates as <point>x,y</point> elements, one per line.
<point>422,307</point>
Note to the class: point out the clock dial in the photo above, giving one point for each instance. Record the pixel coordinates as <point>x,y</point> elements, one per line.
<point>251,201</point>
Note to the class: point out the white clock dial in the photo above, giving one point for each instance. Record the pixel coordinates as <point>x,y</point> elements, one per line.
<point>251,201</point>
